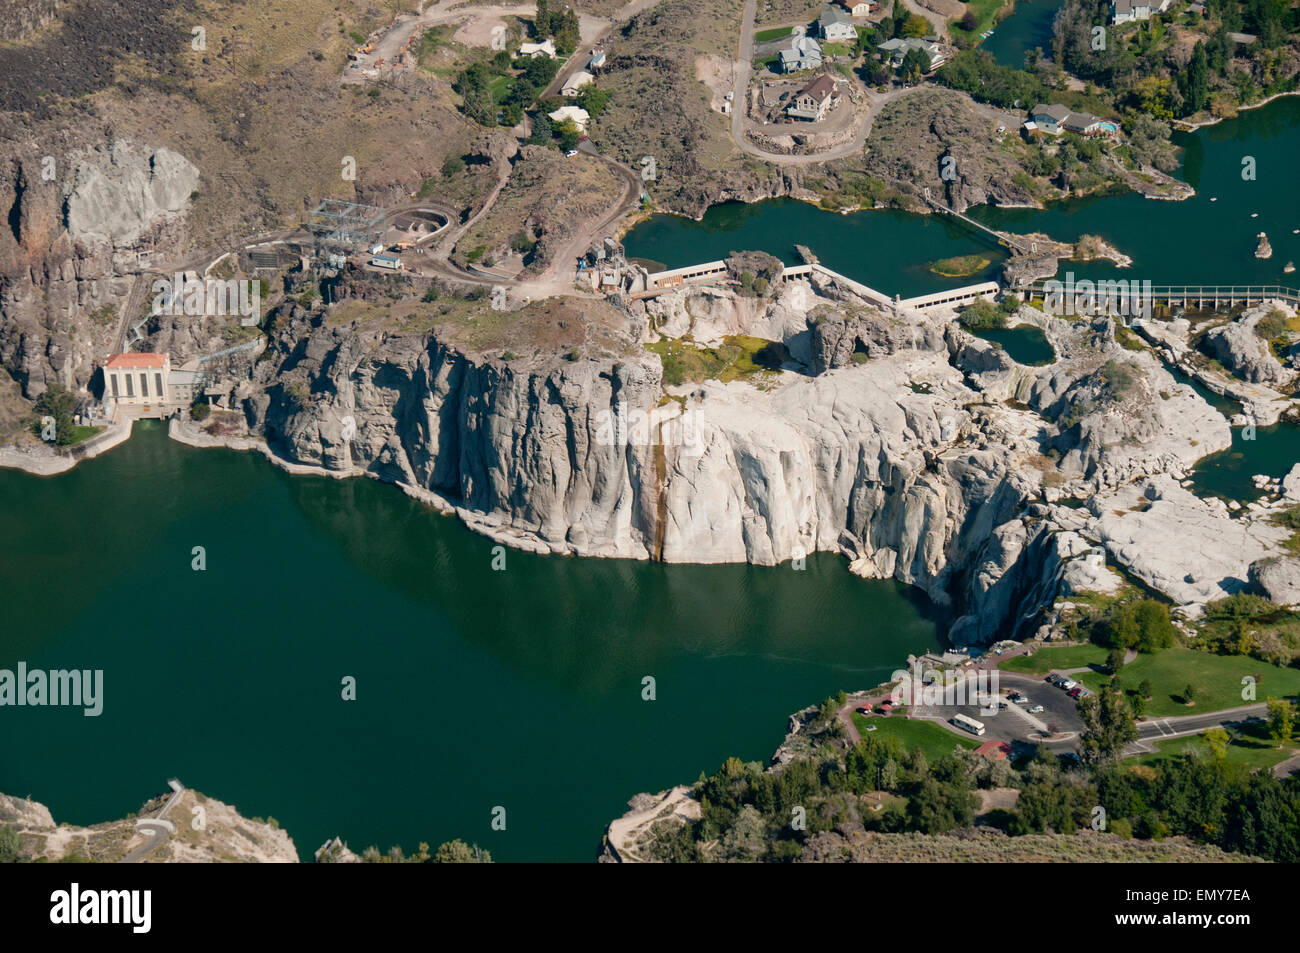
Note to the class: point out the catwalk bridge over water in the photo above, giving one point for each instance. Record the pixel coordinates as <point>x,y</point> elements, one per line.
<point>1181,296</point>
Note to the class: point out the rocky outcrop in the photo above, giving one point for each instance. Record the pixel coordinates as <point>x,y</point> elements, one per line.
<point>842,335</point>
<point>1237,347</point>
<point>1278,578</point>
<point>18,18</point>
<point>61,296</point>
<point>120,192</point>
<point>1189,548</point>
<point>1291,484</point>
<point>202,830</point>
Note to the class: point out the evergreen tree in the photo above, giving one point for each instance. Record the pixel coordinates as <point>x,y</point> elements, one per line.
<point>1195,81</point>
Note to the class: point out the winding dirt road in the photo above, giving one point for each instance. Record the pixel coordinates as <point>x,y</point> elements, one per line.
<point>742,72</point>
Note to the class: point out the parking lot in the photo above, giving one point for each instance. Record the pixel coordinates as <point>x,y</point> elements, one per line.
<point>1057,725</point>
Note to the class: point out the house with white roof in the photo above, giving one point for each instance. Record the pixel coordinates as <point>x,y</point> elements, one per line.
<point>577,114</point>
<point>532,50</point>
<point>1126,11</point>
<point>576,82</point>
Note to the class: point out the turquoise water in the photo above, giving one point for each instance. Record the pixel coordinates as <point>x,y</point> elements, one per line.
<point>1273,451</point>
<point>1028,26</point>
<point>1024,344</point>
<point>475,688</point>
<point>1197,241</point>
<point>887,250</point>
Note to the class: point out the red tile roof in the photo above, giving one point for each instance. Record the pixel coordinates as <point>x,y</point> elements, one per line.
<point>997,749</point>
<point>136,361</point>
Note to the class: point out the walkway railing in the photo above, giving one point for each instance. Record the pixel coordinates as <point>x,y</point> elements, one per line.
<point>1002,237</point>
<point>1216,296</point>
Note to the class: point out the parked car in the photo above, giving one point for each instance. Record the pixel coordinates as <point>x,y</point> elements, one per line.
<point>571,153</point>
<point>1018,698</point>
<point>1066,684</point>
<point>1036,709</point>
<point>1050,679</point>
<point>1074,692</point>
<point>863,711</point>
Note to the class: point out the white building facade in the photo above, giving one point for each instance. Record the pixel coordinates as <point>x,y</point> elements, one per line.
<point>137,379</point>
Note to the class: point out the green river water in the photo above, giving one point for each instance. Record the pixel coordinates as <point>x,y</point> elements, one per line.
<point>475,688</point>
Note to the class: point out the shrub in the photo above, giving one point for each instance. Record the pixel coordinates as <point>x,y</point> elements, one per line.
<point>10,845</point>
<point>1118,378</point>
<point>1271,325</point>
<point>200,411</point>
<point>982,316</point>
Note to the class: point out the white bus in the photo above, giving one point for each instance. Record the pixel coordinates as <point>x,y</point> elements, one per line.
<point>969,724</point>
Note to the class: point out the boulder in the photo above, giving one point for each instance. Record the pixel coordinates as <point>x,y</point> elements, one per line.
<point>1278,579</point>
<point>1238,348</point>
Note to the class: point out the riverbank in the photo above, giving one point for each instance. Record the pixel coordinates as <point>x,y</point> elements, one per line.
<point>45,460</point>
<point>1185,126</point>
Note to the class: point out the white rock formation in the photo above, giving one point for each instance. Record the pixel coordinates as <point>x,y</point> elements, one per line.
<point>119,193</point>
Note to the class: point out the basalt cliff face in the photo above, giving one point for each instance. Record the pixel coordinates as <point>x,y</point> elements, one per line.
<point>853,460</point>
<point>903,442</point>
<point>79,219</point>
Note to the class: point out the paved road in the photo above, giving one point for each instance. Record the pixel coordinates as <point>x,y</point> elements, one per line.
<point>158,828</point>
<point>1288,767</point>
<point>1180,726</point>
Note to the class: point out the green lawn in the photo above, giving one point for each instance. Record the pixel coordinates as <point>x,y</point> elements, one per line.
<point>766,36</point>
<point>837,49</point>
<point>500,86</point>
<point>935,741</point>
<point>984,10</point>
<point>1060,657</point>
<point>1216,678</point>
<point>82,433</point>
<point>1251,748</point>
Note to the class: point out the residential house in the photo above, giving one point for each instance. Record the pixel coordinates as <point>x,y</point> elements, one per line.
<point>532,50</point>
<point>579,116</point>
<point>812,102</point>
<point>898,48</point>
<point>597,59</point>
<point>1056,119</point>
<point>576,82</point>
<point>131,379</point>
<point>833,25</point>
<point>1126,11</point>
<point>804,53</point>
<point>1049,119</point>
<point>857,8</point>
